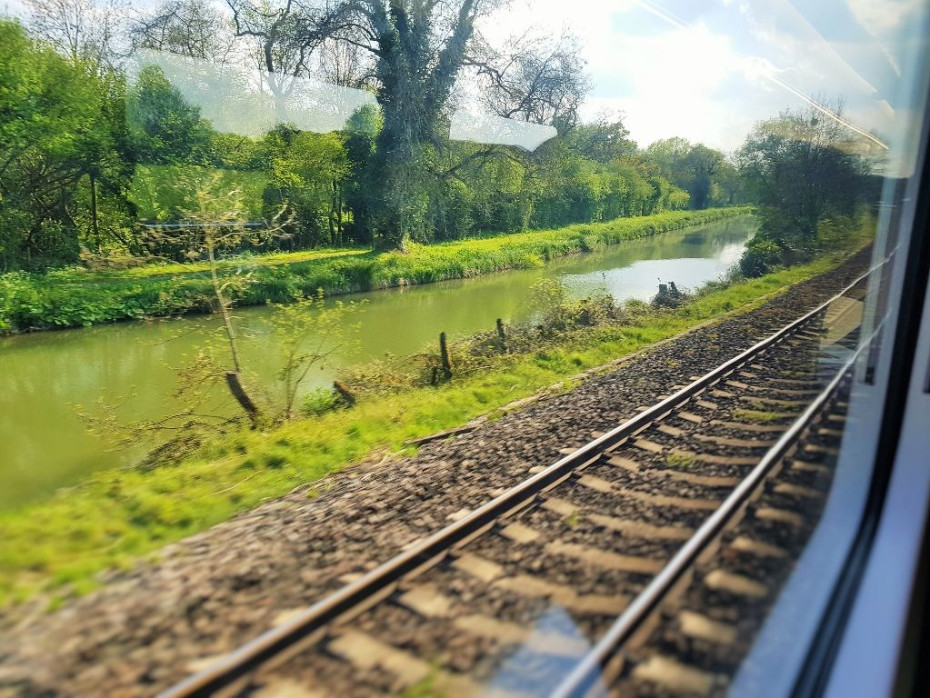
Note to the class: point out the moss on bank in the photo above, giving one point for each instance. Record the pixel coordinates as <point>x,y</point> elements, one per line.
<point>79,297</point>
<point>115,517</point>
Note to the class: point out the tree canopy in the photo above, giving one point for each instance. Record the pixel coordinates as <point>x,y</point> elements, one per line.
<point>90,149</point>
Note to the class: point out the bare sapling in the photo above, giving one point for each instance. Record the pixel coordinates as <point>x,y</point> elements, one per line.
<point>217,223</point>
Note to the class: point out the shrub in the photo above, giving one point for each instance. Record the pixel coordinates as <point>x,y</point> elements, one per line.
<point>760,258</point>
<point>319,402</point>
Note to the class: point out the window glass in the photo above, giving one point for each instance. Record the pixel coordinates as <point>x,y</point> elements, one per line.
<point>289,288</point>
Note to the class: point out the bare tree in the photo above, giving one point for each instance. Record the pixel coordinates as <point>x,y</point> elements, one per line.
<point>284,37</point>
<point>192,28</point>
<point>345,64</point>
<point>533,78</point>
<point>82,29</point>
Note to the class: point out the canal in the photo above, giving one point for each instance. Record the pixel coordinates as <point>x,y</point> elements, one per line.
<point>44,377</point>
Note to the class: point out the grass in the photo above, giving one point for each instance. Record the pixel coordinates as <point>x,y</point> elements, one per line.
<point>76,297</point>
<point>757,415</point>
<point>677,459</point>
<point>157,196</point>
<point>115,518</point>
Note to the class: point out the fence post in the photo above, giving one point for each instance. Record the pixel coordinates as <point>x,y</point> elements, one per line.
<point>444,357</point>
<point>501,336</point>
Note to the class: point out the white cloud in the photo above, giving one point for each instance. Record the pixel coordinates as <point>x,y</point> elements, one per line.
<point>879,17</point>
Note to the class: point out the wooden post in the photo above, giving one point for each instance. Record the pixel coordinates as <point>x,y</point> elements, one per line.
<point>342,390</point>
<point>444,357</point>
<point>501,336</point>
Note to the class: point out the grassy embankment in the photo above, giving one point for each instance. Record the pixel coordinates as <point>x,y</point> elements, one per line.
<point>115,517</point>
<point>78,297</point>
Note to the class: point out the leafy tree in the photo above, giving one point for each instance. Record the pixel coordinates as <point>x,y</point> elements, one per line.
<point>163,127</point>
<point>59,127</point>
<point>801,167</point>
<point>702,164</point>
<point>309,333</point>
<point>693,167</point>
<point>604,140</point>
<point>308,171</point>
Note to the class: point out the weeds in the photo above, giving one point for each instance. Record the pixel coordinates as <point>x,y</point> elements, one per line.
<point>679,459</point>
<point>756,415</point>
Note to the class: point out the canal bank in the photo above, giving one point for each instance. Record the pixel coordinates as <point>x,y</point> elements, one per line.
<point>79,297</point>
<point>116,516</point>
<point>47,378</point>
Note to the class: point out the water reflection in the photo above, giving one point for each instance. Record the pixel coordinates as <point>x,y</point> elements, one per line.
<point>543,659</point>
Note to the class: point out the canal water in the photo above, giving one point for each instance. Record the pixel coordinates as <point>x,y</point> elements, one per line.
<point>44,377</point>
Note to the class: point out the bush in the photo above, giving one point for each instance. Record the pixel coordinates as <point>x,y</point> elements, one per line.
<point>318,402</point>
<point>760,258</point>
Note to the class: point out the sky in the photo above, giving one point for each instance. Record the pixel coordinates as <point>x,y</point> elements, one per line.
<point>708,70</point>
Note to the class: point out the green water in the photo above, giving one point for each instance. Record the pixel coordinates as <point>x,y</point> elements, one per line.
<point>43,377</point>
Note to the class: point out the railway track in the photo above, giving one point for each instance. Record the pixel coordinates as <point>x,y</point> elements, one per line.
<point>623,562</point>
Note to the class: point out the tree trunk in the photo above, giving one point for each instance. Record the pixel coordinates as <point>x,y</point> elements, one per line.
<point>501,336</point>
<point>94,222</point>
<point>234,382</point>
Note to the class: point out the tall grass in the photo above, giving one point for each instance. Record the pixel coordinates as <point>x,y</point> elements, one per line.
<point>79,297</point>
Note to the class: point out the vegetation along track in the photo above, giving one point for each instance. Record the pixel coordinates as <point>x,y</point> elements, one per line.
<point>495,600</point>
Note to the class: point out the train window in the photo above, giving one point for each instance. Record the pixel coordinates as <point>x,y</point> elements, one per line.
<point>447,348</point>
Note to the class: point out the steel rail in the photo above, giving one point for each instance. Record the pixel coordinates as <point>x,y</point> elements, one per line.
<point>382,580</point>
<point>585,678</point>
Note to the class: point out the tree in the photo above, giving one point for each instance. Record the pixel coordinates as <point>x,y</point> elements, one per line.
<point>193,28</point>
<point>214,225</point>
<point>61,128</point>
<point>693,167</point>
<point>284,36</point>
<point>534,79</point>
<point>801,167</point>
<point>420,48</point>
<point>702,164</point>
<point>309,332</point>
<point>163,127</point>
<point>308,173</point>
<point>604,140</point>
<point>85,30</point>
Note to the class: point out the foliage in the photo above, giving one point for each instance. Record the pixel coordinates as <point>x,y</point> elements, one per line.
<point>163,128</point>
<point>61,153</point>
<point>705,173</point>
<point>760,258</point>
<point>115,517</point>
<point>304,317</point>
<point>157,196</point>
<point>306,170</point>
<point>801,168</point>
